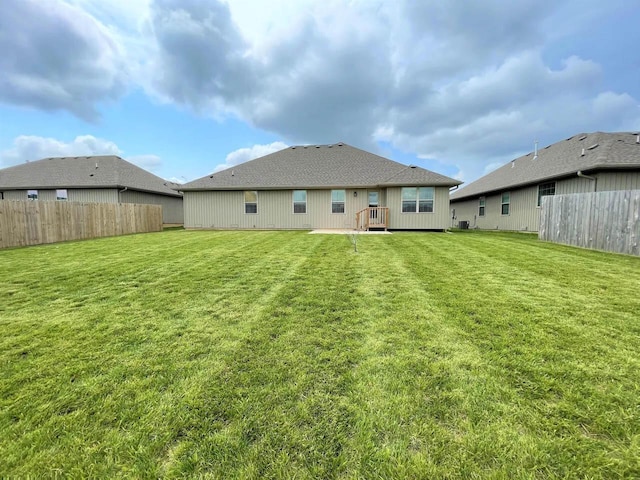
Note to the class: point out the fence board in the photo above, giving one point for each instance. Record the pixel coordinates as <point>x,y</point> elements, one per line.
<point>25,223</point>
<point>601,220</point>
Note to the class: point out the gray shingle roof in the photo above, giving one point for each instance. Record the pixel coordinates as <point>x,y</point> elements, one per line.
<point>318,166</point>
<point>565,158</point>
<point>103,171</point>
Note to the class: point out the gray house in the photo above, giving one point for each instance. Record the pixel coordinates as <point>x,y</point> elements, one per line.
<point>98,179</point>
<point>509,197</point>
<point>319,186</point>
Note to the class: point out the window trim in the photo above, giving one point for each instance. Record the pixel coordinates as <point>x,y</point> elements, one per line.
<point>293,198</point>
<point>546,194</point>
<point>339,202</point>
<point>507,203</point>
<point>418,200</point>
<point>250,203</point>
<point>32,196</point>
<point>482,206</point>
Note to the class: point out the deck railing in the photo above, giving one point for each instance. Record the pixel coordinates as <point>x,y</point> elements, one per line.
<point>372,217</point>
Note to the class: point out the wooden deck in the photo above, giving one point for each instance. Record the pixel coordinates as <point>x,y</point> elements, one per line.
<point>372,217</point>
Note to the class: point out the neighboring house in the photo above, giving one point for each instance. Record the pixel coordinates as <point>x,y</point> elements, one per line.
<point>319,186</point>
<point>509,198</point>
<point>98,179</point>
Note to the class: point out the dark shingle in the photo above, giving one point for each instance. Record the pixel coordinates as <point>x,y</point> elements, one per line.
<point>561,159</point>
<point>103,171</point>
<point>318,166</point>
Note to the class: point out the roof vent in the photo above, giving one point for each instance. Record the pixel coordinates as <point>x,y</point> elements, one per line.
<point>317,146</point>
<point>582,138</point>
<point>593,146</point>
<point>91,174</point>
<point>293,148</point>
<point>340,144</point>
<point>329,146</point>
<point>412,166</point>
<point>638,139</point>
<point>210,176</point>
<point>582,154</point>
<point>305,146</point>
<point>233,173</point>
<point>513,163</point>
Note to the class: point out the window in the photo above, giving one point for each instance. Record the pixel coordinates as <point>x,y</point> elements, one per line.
<point>506,202</point>
<point>417,199</point>
<point>250,201</point>
<point>62,194</point>
<point>338,198</point>
<point>32,194</point>
<point>299,201</point>
<point>546,189</point>
<point>481,205</point>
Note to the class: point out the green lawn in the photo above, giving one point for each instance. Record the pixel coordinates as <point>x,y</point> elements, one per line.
<point>283,354</point>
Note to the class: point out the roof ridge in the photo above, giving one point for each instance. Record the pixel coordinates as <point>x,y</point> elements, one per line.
<point>88,171</point>
<point>582,151</point>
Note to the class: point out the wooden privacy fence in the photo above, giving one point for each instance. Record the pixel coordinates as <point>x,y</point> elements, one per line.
<point>601,220</point>
<point>34,222</point>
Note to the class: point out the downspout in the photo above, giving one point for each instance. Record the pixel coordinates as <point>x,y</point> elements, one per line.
<point>120,191</point>
<point>453,217</point>
<point>594,179</point>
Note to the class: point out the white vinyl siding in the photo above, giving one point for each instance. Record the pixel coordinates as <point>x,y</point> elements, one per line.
<point>438,220</point>
<point>224,210</point>
<point>172,209</point>
<point>524,215</point>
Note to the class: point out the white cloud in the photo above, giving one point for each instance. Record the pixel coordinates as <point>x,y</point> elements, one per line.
<point>30,147</point>
<point>251,153</point>
<point>57,57</point>
<point>148,162</point>
<point>466,84</point>
<point>177,180</point>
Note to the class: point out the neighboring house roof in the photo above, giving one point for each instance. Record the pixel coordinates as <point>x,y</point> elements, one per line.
<point>102,171</point>
<point>319,166</point>
<point>586,152</point>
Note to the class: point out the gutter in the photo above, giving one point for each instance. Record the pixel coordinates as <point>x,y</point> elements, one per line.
<point>594,179</point>
<point>120,191</point>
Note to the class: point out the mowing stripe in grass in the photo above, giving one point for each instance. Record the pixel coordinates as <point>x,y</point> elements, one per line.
<point>130,360</point>
<point>282,354</point>
<point>424,388</point>
<point>549,372</point>
<point>282,400</point>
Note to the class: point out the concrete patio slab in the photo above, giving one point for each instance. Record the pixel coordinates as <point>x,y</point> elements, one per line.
<point>339,231</point>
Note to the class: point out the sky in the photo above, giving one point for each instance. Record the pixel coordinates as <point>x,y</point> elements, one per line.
<point>184,88</point>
